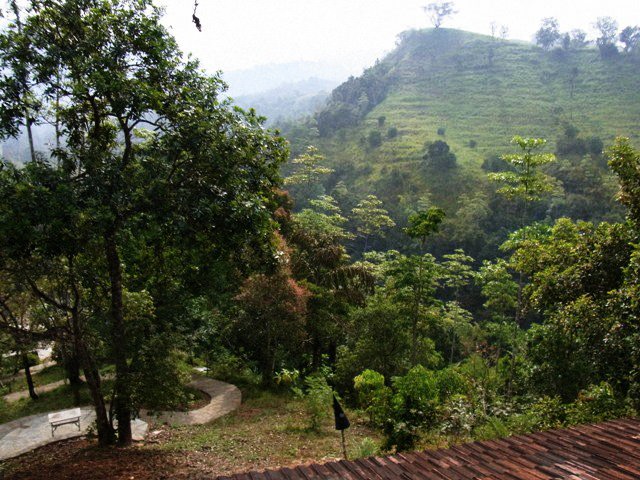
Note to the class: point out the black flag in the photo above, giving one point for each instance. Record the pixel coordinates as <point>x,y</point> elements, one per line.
<point>342,422</point>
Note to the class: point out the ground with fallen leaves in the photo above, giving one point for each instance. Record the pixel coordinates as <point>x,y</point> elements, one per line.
<point>268,431</point>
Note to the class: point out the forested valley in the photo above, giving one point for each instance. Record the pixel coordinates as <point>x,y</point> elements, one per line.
<point>451,264</point>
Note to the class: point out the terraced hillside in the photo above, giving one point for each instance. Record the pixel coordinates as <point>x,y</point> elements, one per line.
<point>474,92</point>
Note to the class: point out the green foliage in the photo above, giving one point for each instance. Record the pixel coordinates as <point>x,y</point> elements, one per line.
<point>424,223</point>
<point>525,182</point>
<point>374,139</point>
<point>412,408</point>
<point>392,132</point>
<point>439,157</point>
<point>498,288</point>
<point>624,161</point>
<point>371,218</point>
<point>379,340</point>
<point>309,168</point>
<point>317,396</point>
<point>595,404</point>
<point>546,413</point>
<point>323,219</point>
<point>630,36</point>
<point>373,395</point>
<point>367,448</point>
<point>548,34</point>
<point>160,374</point>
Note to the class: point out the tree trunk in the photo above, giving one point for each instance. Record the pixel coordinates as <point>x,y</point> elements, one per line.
<point>27,374</point>
<point>119,342</point>
<point>106,435</point>
<point>72,367</point>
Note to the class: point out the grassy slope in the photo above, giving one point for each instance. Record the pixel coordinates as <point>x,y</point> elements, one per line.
<point>443,79</point>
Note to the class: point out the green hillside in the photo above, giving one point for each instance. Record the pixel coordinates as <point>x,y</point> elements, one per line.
<point>474,92</point>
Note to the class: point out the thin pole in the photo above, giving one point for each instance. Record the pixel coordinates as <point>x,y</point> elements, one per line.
<point>344,446</point>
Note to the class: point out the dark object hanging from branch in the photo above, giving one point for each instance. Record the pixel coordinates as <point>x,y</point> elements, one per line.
<point>195,18</point>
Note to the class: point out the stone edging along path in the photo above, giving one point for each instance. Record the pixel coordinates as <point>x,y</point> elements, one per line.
<point>28,433</point>
<point>225,398</point>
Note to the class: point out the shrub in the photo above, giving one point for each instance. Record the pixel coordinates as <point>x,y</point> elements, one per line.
<point>374,139</point>
<point>412,408</point>
<point>595,404</point>
<point>381,120</point>
<point>493,428</point>
<point>286,377</point>
<point>317,398</point>
<point>439,156</point>
<point>441,131</point>
<point>367,448</point>
<point>473,144</point>
<point>545,413</point>
<point>458,416</point>
<point>373,395</point>
<point>33,359</point>
<point>392,132</point>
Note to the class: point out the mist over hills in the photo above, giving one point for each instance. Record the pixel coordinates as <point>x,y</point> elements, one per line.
<point>474,92</point>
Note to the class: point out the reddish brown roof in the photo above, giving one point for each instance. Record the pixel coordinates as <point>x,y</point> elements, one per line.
<point>609,450</point>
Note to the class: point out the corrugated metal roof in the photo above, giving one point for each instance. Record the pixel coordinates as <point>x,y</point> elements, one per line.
<point>604,451</point>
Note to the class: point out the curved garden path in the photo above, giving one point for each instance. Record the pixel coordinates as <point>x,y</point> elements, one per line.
<point>225,398</point>
<point>28,433</point>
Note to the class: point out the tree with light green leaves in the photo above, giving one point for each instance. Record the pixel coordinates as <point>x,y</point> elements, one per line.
<point>308,172</point>
<point>371,219</point>
<point>456,274</point>
<point>525,184</point>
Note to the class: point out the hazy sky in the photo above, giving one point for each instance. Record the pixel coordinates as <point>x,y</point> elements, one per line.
<point>238,34</point>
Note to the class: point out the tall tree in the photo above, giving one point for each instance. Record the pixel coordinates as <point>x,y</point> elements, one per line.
<point>630,36</point>
<point>525,184</point>
<point>438,11</point>
<point>608,29</point>
<point>548,33</point>
<point>199,178</point>
<point>371,219</point>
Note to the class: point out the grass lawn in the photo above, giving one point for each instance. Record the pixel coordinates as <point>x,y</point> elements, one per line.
<point>50,374</point>
<point>267,431</point>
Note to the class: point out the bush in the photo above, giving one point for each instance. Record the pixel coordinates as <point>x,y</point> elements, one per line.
<point>441,131</point>
<point>317,397</point>
<point>595,404</point>
<point>372,394</point>
<point>33,359</point>
<point>546,413</point>
<point>367,448</point>
<point>493,428</point>
<point>473,144</point>
<point>374,139</point>
<point>164,390</point>
<point>412,408</point>
<point>392,132</point>
<point>458,416</point>
<point>439,156</point>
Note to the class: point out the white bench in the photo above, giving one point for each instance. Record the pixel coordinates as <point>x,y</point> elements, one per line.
<point>64,417</point>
